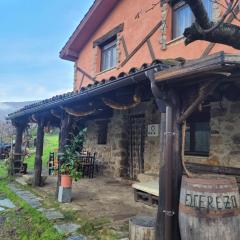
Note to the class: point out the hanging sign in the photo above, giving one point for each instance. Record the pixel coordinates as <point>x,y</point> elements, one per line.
<point>153,130</point>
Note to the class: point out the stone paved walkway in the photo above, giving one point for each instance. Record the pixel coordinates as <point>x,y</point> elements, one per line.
<point>51,214</point>
<point>6,204</point>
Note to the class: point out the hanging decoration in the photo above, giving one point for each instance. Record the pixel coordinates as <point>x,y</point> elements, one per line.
<point>55,114</point>
<point>75,113</point>
<point>34,118</point>
<point>121,106</point>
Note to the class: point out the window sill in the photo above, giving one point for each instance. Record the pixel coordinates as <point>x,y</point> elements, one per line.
<point>178,39</point>
<point>196,154</point>
<point>104,71</point>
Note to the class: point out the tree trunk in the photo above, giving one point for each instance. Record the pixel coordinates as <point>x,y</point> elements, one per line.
<point>39,152</point>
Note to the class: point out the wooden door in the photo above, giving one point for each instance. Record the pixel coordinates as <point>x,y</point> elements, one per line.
<point>136,145</point>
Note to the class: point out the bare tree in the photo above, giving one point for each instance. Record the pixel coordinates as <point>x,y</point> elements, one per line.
<point>216,32</point>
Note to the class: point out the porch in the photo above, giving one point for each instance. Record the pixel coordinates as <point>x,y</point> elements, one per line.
<point>100,198</point>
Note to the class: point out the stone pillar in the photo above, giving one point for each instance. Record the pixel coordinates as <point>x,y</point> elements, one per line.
<point>39,153</point>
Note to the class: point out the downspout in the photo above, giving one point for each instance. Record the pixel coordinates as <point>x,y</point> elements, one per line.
<point>164,105</point>
<point>168,156</point>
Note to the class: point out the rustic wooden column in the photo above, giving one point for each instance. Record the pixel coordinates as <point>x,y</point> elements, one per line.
<point>20,128</point>
<point>39,152</point>
<point>65,129</point>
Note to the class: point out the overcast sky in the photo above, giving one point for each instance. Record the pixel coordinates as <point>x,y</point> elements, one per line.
<point>32,32</point>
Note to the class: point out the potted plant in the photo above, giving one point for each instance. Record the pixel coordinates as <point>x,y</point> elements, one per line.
<point>69,165</point>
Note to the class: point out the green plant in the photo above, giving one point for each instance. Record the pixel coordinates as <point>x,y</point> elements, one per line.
<point>71,152</point>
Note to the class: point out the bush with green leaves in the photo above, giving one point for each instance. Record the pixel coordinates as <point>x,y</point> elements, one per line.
<point>70,155</point>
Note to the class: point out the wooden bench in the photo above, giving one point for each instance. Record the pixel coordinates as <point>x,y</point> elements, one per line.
<point>146,192</point>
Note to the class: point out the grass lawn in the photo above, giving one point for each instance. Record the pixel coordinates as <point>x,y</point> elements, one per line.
<point>24,222</point>
<point>50,143</point>
<point>3,169</point>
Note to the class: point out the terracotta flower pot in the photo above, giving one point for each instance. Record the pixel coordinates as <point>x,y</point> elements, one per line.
<point>66,181</point>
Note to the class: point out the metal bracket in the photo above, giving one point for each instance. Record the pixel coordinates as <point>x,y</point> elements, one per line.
<point>169,213</point>
<point>170,133</point>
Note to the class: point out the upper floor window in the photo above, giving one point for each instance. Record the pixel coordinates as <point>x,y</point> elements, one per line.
<point>109,54</point>
<point>183,16</point>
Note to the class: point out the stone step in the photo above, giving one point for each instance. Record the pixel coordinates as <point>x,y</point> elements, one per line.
<point>147,177</point>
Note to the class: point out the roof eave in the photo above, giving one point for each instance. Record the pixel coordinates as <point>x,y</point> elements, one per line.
<point>89,24</point>
<point>197,68</point>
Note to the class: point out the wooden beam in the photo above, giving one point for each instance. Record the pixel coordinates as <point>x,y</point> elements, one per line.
<point>135,50</point>
<point>125,47</point>
<point>86,74</point>
<point>199,66</point>
<point>151,50</point>
<point>81,83</point>
<point>202,168</point>
<point>39,152</point>
<point>204,92</point>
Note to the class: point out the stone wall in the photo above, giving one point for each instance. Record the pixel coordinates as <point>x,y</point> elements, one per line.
<point>225,136</point>
<point>114,154</point>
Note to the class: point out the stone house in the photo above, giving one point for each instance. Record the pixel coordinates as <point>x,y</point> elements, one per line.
<point>112,49</point>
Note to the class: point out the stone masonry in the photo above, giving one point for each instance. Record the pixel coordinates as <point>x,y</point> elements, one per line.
<point>225,135</point>
<point>114,154</point>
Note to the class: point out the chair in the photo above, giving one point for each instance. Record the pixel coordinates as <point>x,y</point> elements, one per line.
<point>51,163</point>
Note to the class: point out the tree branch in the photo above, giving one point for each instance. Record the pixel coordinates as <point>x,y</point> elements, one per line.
<point>200,13</point>
<point>226,33</point>
<point>203,29</point>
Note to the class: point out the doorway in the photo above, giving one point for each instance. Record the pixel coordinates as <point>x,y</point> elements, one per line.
<point>136,145</point>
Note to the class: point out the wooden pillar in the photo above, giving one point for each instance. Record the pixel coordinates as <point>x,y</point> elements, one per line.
<point>177,170</point>
<point>39,153</point>
<point>16,164</point>
<point>65,129</point>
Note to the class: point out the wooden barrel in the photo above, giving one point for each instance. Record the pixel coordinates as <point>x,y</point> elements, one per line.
<point>142,228</point>
<point>209,208</point>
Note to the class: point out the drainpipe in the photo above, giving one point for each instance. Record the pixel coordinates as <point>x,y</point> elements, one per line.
<point>166,105</point>
<point>168,156</point>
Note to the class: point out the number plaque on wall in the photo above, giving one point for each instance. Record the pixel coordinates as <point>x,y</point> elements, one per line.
<point>153,130</point>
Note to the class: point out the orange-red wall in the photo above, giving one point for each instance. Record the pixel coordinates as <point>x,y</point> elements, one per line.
<point>135,30</point>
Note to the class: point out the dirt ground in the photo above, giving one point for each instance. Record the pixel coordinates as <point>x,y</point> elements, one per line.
<point>103,197</point>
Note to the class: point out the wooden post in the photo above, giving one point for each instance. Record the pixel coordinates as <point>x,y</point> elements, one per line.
<point>177,170</point>
<point>66,124</point>
<point>39,152</point>
<point>20,128</point>
<point>160,231</point>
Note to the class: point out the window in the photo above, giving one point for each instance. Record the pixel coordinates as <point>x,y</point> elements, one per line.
<point>198,134</point>
<point>183,16</point>
<point>102,132</point>
<point>109,54</point>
